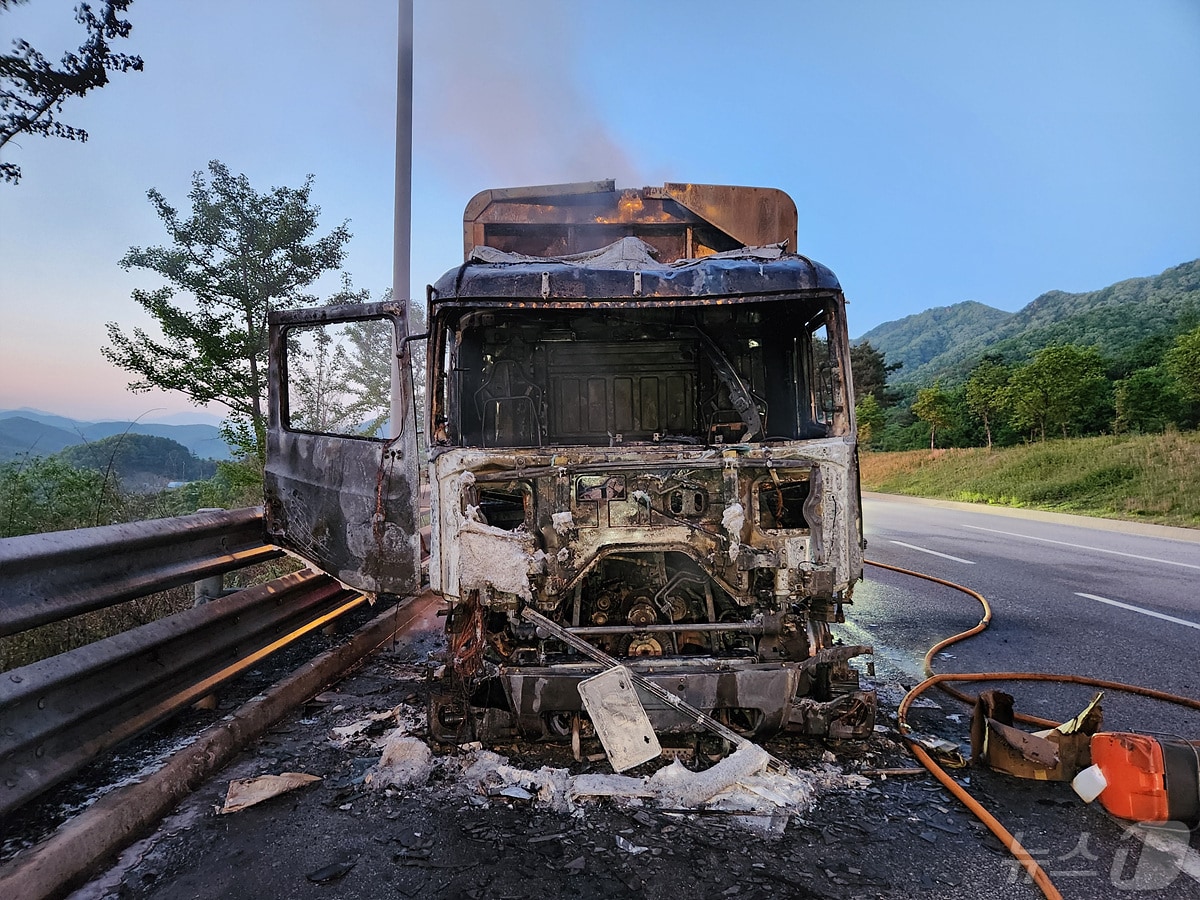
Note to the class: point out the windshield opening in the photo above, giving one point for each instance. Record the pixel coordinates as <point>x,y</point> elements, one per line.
<point>719,374</point>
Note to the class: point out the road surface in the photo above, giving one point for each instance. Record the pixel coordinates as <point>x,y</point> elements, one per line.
<point>1069,595</point>
<point>1104,599</point>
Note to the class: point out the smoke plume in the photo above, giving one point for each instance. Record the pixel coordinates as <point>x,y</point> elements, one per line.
<point>498,96</point>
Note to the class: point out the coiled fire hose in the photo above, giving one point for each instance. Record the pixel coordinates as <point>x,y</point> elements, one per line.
<point>1040,878</point>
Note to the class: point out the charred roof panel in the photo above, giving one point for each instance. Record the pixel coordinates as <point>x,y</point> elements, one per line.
<point>627,271</point>
<point>679,220</point>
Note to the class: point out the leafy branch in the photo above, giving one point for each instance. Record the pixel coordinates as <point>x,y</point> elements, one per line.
<point>33,90</point>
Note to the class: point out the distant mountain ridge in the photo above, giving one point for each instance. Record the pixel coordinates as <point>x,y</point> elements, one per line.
<point>946,342</point>
<point>917,339</point>
<point>43,434</point>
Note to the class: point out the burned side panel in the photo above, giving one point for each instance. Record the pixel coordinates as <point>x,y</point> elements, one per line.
<point>681,221</point>
<point>338,502</point>
<point>339,492</point>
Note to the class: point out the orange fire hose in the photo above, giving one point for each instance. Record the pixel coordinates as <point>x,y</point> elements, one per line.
<point>993,825</point>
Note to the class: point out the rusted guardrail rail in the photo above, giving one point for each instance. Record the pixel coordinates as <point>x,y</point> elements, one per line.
<point>58,714</point>
<point>48,577</point>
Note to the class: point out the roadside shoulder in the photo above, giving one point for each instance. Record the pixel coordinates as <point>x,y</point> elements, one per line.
<point>1121,526</point>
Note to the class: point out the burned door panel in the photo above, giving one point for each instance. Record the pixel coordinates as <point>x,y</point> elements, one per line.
<point>338,494</point>
<point>338,503</point>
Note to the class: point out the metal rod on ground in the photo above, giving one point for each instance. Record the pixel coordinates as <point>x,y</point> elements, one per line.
<point>532,615</point>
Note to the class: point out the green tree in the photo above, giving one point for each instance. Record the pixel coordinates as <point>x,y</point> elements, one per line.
<point>1147,401</point>
<point>38,495</point>
<point>986,387</point>
<point>870,371</point>
<point>1064,386</point>
<point>1145,354</point>
<point>128,455</point>
<point>237,483</point>
<point>339,376</point>
<point>33,91</point>
<point>237,256</point>
<point>932,406</point>
<point>870,417</point>
<point>1183,364</point>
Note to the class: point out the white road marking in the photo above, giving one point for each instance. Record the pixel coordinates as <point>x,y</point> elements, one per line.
<point>1138,609</point>
<point>1171,844</point>
<point>1029,537</point>
<point>933,552</point>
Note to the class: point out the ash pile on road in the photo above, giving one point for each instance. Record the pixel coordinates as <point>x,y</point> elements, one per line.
<point>392,814</point>
<point>741,784</point>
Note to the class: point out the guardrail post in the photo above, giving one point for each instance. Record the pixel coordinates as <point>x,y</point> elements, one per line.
<point>209,589</point>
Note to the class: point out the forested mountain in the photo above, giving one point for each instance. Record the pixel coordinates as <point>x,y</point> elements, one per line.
<point>1114,320</point>
<point>915,340</point>
<point>20,435</point>
<point>141,461</point>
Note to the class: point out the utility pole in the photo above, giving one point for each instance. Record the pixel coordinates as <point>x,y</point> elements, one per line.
<point>402,238</point>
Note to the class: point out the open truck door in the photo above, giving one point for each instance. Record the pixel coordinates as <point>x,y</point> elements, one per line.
<point>341,478</point>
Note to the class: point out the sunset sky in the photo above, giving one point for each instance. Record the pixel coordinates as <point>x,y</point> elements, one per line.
<point>937,151</point>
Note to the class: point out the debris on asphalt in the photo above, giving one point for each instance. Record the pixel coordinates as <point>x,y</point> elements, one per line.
<point>741,785</point>
<point>629,847</point>
<point>1058,754</point>
<point>946,752</point>
<point>682,788</point>
<point>331,872</point>
<point>406,761</point>
<point>249,791</point>
<point>374,724</point>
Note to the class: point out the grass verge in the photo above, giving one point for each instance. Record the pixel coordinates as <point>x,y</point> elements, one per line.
<point>1147,478</point>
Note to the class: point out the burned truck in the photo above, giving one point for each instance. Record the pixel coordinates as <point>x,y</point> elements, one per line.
<point>639,421</point>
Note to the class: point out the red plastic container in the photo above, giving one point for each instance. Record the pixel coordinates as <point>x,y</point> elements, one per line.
<point>1148,780</point>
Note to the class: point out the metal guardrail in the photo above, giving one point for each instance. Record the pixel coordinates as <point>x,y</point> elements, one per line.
<point>58,714</point>
<point>48,577</point>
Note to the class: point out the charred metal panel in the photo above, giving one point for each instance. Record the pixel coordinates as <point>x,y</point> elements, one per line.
<point>756,695</point>
<point>347,504</point>
<point>585,504</point>
<point>752,216</point>
<point>715,279</point>
<point>340,504</point>
<point>678,220</point>
<point>620,389</point>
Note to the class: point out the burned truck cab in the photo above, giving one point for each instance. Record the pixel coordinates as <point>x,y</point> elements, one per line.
<point>641,424</point>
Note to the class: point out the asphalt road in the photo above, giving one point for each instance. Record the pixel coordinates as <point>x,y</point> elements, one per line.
<point>1070,595</point>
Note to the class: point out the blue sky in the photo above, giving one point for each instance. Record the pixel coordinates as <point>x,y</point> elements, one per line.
<point>937,151</point>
